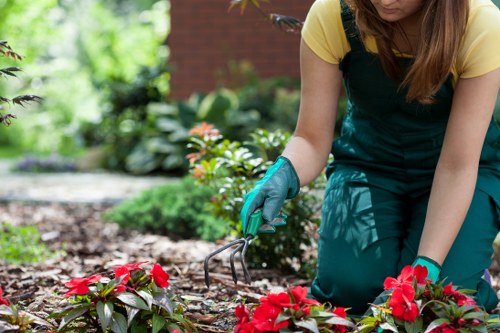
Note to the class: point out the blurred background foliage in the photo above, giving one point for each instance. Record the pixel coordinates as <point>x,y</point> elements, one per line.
<point>78,55</point>
<point>102,69</point>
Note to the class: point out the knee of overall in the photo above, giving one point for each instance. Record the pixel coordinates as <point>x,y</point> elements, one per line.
<point>352,286</point>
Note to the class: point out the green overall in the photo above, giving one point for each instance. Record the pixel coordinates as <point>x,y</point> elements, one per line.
<point>379,185</point>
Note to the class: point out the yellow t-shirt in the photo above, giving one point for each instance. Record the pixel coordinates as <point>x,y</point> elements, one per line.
<point>324,33</point>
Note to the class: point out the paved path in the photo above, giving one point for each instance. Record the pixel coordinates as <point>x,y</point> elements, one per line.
<point>73,187</point>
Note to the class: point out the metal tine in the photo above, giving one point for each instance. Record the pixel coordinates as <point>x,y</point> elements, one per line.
<point>248,278</point>
<point>231,260</point>
<point>208,257</point>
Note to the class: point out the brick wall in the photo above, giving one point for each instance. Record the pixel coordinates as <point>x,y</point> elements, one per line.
<point>204,38</point>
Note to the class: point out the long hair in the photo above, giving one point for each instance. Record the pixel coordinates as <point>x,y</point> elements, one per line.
<point>442,27</point>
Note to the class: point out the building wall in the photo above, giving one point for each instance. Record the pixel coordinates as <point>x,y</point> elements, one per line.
<point>205,37</point>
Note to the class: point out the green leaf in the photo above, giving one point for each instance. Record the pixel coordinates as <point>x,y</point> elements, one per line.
<point>366,328</point>
<point>118,323</point>
<point>388,327</point>
<point>475,315</point>
<point>147,296</point>
<point>339,321</point>
<point>133,300</point>
<point>415,327</point>
<point>131,312</point>
<point>104,311</point>
<point>158,323</point>
<point>73,314</point>
<point>6,327</point>
<point>309,324</point>
<point>162,300</point>
<point>136,329</point>
<point>436,323</point>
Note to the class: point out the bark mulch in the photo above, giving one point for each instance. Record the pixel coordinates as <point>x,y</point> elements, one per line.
<point>91,245</point>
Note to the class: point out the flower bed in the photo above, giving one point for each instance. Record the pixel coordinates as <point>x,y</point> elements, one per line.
<point>134,299</point>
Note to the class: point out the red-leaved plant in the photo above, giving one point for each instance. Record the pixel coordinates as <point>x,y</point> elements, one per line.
<point>131,299</point>
<point>412,304</point>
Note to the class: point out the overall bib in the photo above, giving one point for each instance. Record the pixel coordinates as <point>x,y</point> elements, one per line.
<point>379,185</point>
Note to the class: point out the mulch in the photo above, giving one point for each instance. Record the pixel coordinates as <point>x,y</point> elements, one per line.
<point>91,245</point>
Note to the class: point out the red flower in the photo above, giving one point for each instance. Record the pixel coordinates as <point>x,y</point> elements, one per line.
<point>460,298</point>
<point>264,318</point>
<point>443,328</point>
<point>420,273</point>
<point>281,300</point>
<point>340,311</point>
<point>402,304</point>
<point>243,315</point>
<point>406,276</point>
<point>124,270</point>
<point>79,286</point>
<point>299,296</point>
<point>3,301</point>
<point>160,277</point>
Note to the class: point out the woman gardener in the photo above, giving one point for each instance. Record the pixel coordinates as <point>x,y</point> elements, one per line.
<point>416,171</point>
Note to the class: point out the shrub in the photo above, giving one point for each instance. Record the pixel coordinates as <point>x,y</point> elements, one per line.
<point>177,210</point>
<point>231,169</point>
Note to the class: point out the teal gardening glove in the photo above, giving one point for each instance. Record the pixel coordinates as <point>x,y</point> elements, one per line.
<point>279,183</point>
<point>433,268</point>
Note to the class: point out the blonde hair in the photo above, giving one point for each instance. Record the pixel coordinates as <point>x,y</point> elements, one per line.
<point>442,27</point>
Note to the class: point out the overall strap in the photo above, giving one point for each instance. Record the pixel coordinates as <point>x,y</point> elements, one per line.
<point>350,28</point>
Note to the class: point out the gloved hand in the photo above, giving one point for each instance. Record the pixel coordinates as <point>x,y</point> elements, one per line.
<point>433,268</point>
<point>433,271</point>
<point>279,183</point>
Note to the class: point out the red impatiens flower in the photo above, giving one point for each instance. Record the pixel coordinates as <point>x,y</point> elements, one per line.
<point>79,286</point>
<point>3,301</point>
<point>443,328</point>
<point>264,318</point>
<point>460,298</point>
<point>124,270</point>
<point>160,277</point>
<point>300,296</point>
<point>340,311</point>
<point>407,275</point>
<point>243,325</point>
<point>280,300</point>
<point>402,304</point>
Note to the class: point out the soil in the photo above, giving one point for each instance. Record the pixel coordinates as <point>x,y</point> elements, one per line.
<point>92,245</point>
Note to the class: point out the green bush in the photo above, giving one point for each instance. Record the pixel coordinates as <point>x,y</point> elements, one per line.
<point>22,245</point>
<point>231,169</point>
<point>179,210</point>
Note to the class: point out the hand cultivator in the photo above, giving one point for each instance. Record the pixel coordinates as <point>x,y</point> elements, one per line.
<point>255,225</point>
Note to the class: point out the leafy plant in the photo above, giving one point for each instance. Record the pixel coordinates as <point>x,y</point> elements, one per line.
<point>179,210</point>
<point>291,311</point>
<point>7,52</point>
<point>230,169</point>
<point>412,305</point>
<point>130,299</point>
<point>22,245</point>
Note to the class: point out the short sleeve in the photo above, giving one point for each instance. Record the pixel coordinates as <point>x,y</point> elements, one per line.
<point>480,51</point>
<point>323,31</point>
